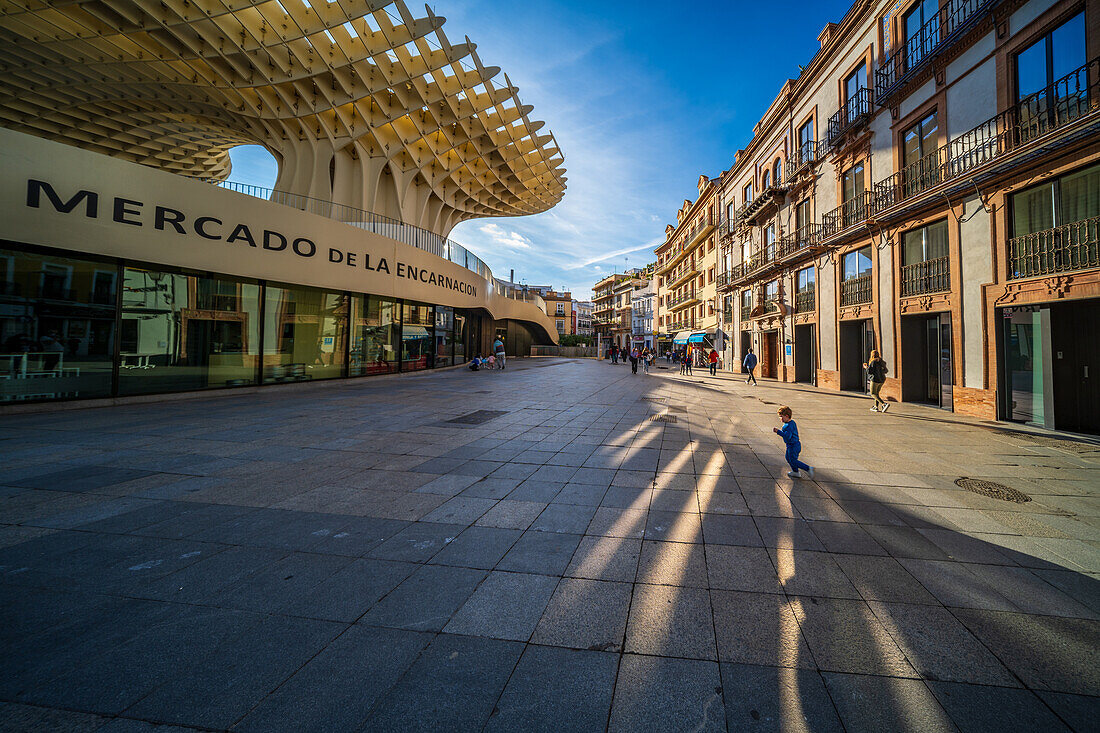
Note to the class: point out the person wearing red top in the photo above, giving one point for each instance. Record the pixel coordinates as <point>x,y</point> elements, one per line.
<point>713,362</point>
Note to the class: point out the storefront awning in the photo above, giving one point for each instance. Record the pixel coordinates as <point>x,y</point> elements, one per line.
<point>700,337</point>
<point>681,338</point>
<point>415,332</point>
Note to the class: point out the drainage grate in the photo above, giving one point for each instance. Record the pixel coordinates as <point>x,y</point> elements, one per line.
<point>676,408</point>
<point>479,417</point>
<point>992,490</point>
<point>662,418</point>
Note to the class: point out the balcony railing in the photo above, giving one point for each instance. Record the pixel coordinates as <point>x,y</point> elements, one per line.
<point>1066,100</point>
<point>937,34</point>
<point>852,116</point>
<point>929,276</point>
<point>850,213</point>
<point>727,314</point>
<point>771,305</point>
<point>802,157</point>
<point>746,311</point>
<point>803,237</point>
<point>804,300</point>
<point>1067,248</point>
<point>762,205</point>
<point>855,290</point>
<point>684,297</point>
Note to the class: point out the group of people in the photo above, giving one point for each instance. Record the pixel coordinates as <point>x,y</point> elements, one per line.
<point>686,358</point>
<point>635,356</point>
<point>495,360</point>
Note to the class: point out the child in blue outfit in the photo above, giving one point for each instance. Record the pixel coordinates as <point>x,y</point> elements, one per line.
<point>789,433</point>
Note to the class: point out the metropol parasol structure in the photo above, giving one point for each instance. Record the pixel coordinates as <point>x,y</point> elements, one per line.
<point>362,103</point>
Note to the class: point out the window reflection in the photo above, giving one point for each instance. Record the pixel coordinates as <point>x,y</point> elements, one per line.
<point>305,334</point>
<point>416,338</point>
<point>444,335</point>
<point>57,326</point>
<point>181,332</point>
<point>375,333</point>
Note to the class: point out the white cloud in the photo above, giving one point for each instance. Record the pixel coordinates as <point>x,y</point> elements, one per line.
<point>505,238</point>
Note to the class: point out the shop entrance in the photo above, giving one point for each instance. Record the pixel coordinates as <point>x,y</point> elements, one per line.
<point>926,356</point>
<point>769,354</point>
<point>857,340</point>
<point>1049,364</point>
<point>805,351</point>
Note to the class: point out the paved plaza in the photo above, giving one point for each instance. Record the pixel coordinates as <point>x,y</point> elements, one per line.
<point>559,546</point>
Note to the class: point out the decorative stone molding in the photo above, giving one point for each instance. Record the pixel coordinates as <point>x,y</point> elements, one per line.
<point>925,303</point>
<point>863,310</point>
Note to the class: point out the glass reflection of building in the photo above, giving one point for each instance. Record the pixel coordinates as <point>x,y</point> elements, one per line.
<point>80,328</point>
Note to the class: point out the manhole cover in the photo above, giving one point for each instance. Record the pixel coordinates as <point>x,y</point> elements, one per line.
<point>662,418</point>
<point>992,490</point>
<point>1073,446</point>
<point>479,417</point>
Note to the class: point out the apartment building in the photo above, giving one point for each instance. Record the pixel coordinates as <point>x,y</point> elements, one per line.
<point>641,315</point>
<point>582,318</point>
<point>686,273</point>
<point>559,306</point>
<point>929,187</point>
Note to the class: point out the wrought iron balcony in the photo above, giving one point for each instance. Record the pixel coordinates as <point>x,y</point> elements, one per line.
<point>937,35</point>
<point>683,272</point>
<point>771,305</point>
<point>764,204</point>
<point>850,213</point>
<point>729,278</point>
<point>746,311</point>
<point>804,300</point>
<point>929,276</point>
<point>801,239</point>
<point>855,290</point>
<point>802,158</point>
<point>1065,101</point>
<point>852,116</point>
<point>1067,248</point>
<point>683,299</point>
<point>727,314</point>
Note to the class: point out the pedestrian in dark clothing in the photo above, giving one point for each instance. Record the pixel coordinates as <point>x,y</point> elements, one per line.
<point>789,433</point>
<point>688,358</point>
<point>713,362</point>
<point>876,371</point>
<point>750,365</point>
<point>634,361</point>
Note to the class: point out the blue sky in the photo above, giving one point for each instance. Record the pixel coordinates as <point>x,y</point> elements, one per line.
<point>642,98</point>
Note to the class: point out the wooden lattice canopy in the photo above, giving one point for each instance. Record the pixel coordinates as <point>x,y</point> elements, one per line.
<point>361,102</point>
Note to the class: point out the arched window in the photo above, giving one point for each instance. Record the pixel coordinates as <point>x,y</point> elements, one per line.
<point>765,181</point>
<point>778,168</point>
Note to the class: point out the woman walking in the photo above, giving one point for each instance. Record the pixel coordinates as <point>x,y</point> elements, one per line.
<point>750,364</point>
<point>876,369</point>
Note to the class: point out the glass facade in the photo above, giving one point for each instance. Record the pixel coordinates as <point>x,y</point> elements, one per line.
<point>58,327</point>
<point>305,334</point>
<point>375,334</point>
<point>181,332</point>
<point>79,328</point>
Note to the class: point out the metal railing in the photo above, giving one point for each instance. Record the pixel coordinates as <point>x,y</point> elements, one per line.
<point>684,297</point>
<point>851,212</point>
<point>929,276</point>
<point>1066,100</point>
<point>804,300</point>
<point>1067,248</point>
<point>801,238</point>
<point>937,34</point>
<point>853,114</point>
<point>746,311</point>
<point>386,226</point>
<point>771,305</point>
<point>802,157</point>
<point>855,290</point>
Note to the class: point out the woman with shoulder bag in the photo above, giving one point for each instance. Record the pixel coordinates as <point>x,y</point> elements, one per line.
<point>876,370</point>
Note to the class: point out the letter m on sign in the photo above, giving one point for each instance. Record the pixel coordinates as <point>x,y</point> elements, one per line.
<point>35,189</point>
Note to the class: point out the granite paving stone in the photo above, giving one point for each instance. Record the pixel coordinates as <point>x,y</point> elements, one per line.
<point>605,558</point>
<point>585,614</point>
<point>661,693</point>
<point>768,698</point>
<point>504,606</point>
<point>671,621</point>
<point>462,677</point>
<point>872,703</point>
